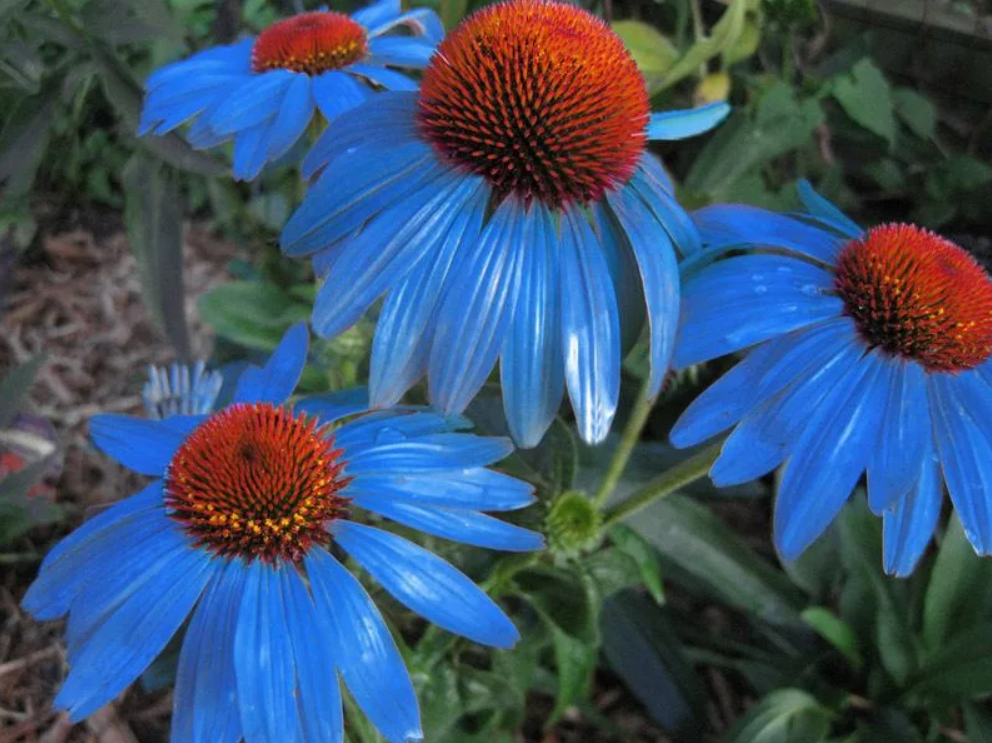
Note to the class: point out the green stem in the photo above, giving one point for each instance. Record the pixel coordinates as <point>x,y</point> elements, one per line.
<point>685,472</point>
<point>631,435</point>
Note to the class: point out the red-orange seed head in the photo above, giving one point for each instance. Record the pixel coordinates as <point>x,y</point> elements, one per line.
<point>255,482</point>
<point>540,97</point>
<point>919,296</point>
<point>309,42</point>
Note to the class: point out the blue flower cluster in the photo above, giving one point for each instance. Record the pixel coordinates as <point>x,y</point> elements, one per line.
<point>507,211</point>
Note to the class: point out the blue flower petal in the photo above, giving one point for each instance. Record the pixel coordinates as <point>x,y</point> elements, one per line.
<point>321,718</point>
<point>654,176</point>
<point>377,13</point>
<point>909,525</point>
<point>275,382</point>
<point>227,59</point>
<point>905,437</point>
<point>476,489</point>
<point>291,121</point>
<point>405,328</point>
<point>381,427</point>
<point>336,92</point>
<point>387,250</point>
<point>145,446</point>
<point>427,584</point>
<point>666,210</point>
<point>829,456</point>
<point>433,453</point>
<point>263,659</point>
<point>184,424</point>
<point>250,147</point>
<point>762,439</point>
<point>354,188</point>
<point>400,51</point>
<point>671,125</point>
<point>468,527</point>
<point>334,406</point>
<point>826,212</point>
<point>962,416</point>
<point>253,102</point>
<point>126,642</point>
<point>422,22</point>
<point>97,542</point>
<point>388,122</point>
<point>170,106</point>
<point>590,329</point>
<point>532,364</point>
<point>205,701</point>
<point>760,297</point>
<point>764,372</point>
<point>366,654</point>
<point>659,271</point>
<point>738,225</point>
<point>626,276</point>
<point>383,77</point>
<point>475,310</point>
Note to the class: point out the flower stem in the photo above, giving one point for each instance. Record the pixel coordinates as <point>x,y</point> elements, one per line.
<point>685,472</point>
<point>631,435</point>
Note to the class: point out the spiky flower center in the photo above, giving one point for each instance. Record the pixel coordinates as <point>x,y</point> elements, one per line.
<point>255,482</point>
<point>540,97</point>
<point>919,296</point>
<point>309,42</point>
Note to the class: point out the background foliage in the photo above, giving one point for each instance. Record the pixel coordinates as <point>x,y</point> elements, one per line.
<point>887,106</point>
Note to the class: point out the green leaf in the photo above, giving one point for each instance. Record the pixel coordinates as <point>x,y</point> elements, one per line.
<point>837,632</point>
<point>153,214</point>
<point>22,64</point>
<point>865,96</point>
<point>23,140</point>
<point>643,554</point>
<point>452,12</point>
<point>651,49</point>
<point>725,35</point>
<point>15,387</point>
<point>251,313</point>
<point>916,112</point>
<point>698,542</point>
<point>978,723</point>
<point>645,652</point>
<point>784,716</point>
<point>962,668</point>
<point>959,593</point>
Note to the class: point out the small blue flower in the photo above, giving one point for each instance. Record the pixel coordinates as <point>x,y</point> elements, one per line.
<point>261,92</point>
<point>871,352</point>
<point>180,389</point>
<point>234,535</point>
<point>508,210</point>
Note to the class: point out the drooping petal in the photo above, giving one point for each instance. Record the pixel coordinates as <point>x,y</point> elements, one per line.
<point>590,329</point>
<point>263,659</point>
<point>337,92</point>
<point>377,13</point>
<point>127,641</point>
<point>321,718</point>
<point>624,272</point>
<point>826,212</point>
<point>333,406</point>
<point>143,445</point>
<point>659,198</point>
<point>275,381</point>
<point>401,51</point>
<point>659,270</point>
<point>386,251</point>
<point>434,453</point>
<point>459,525</point>
<point>963,431</point>
<point>764,436</point>
<point>761,297</point>
<point>671,125</point>
<point>295,112</point>
<point>908,526</point>
<point>829,456</point>
<point>383,77</point>
<point>532,366</point>
<point>405,328</point>
<point>366,654</point>
<point>252,102</point>
<point>477,489</point>
<point>748,226</point>
<point>904,439</point>
<point>205,701</point>
<point>250,147</point>
<point>395,426</point>
<point>427,584</point>
<point>475,311</point>
<point>230,58</point>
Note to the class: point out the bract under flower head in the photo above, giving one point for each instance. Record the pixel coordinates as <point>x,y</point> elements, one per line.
<point>311,43</point>
<point>870,354</point>
<point>541,98</point>
<point>918,296</point>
